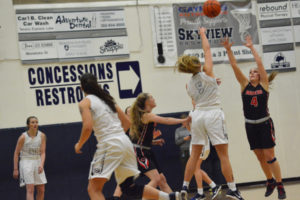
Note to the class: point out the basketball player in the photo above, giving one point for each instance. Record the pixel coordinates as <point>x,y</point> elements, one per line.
<point>258,123</point>
<point>208,117</point>
<point>114,149</point>
<point>141,131</point>
<point>202,175</point>
<point>199,173</point>
<point>31,147</point>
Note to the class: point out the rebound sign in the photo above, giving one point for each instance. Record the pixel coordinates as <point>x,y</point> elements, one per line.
<point>129,79</point>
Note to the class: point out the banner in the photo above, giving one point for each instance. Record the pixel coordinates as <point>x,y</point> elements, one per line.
<point>58,35</point>
<point>163,35</point>
<point>277,35</point>
<point>236,20</point>
<point>295,11</point>
<point>69,20</point>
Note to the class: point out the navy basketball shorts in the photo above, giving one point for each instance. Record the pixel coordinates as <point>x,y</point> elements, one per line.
<point>262,135</point>
<point>146,160</point>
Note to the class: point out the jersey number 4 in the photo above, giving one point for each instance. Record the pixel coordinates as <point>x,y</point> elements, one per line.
<point>254,101</point>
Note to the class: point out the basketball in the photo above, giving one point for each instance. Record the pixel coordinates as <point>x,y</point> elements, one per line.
<point>211,8</point>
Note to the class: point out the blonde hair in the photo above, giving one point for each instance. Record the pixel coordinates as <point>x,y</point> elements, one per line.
<point>136,113</point>
<point>188,64</point>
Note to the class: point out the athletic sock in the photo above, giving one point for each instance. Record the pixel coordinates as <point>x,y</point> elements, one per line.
<point>232,186</point>
<point>200,191</point>
<point>186,184</point>
<point>212,185</point>
<point>163,196</point>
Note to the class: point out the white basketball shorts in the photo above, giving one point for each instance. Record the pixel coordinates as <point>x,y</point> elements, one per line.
<point>114,155</point>
<point>29,173</point>
<point>211,123</point>
<point>205,150</point>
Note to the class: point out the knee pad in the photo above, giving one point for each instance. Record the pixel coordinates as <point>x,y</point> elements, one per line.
<point>131,189</point>
<point>272,161</point>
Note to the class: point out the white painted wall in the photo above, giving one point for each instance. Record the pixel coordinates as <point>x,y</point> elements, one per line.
<point>168,88</point>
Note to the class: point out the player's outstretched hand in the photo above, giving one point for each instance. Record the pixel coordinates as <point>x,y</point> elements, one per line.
<point>249,42</point>
<point>226,43</point>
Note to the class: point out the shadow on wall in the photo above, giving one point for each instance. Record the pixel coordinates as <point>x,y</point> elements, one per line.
<point>67,172</point>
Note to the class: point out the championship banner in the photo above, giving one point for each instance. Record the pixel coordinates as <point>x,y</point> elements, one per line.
<point>236,20</point>
<point>277,35</point>
<point>78,34</point>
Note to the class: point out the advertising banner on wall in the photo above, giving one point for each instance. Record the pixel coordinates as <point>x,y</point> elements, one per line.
<point>58,35</point>
<point>236,20</point>
<point>277,35</point>
<point>62,20</point>
<point>295,11</point>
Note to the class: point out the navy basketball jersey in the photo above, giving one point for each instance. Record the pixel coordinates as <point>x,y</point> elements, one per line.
<point>255,102</point>
<point>146,135</point>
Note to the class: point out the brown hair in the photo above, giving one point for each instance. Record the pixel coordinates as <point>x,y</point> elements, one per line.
<point>28,120</point>
<point>188,64</point>
<point>136,114</point>
<point>272,76</point>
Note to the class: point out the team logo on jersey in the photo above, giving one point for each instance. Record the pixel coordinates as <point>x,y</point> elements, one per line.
<point>280,61</point>
<point>199,87</point>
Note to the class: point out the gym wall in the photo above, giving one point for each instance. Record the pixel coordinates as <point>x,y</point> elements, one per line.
<point>18,100</point>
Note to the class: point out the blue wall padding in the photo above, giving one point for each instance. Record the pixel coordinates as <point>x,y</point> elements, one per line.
<point>67,172</point>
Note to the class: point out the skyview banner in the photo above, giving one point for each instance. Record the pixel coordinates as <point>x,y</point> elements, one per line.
<point>236,20</point>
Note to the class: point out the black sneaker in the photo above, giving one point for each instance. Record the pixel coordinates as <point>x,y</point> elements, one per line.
<point>198,197</point>
<point>184,193</point>
<point>234,195</point>
<point>270,188</point>
<point>215,191</point>
<point>281,192</point>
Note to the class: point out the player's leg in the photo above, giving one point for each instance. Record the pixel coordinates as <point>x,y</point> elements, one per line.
<point>95,187</point>
<point>198,177</point>
<point>163,185</point>
<point>117,192</point>
<point>40,192</point>
<point>263,163</point>
<point>154,177</point>
<point>29,191</point>
<point>132,190</point>
<point>275,168</point>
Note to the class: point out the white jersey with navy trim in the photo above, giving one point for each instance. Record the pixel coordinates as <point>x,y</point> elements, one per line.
<point>204,90</point>
<point>114,149</point>
<point>32,147</point>
<point>106,123</point>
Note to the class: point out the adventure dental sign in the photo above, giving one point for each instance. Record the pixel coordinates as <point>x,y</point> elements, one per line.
<point>55,35</point>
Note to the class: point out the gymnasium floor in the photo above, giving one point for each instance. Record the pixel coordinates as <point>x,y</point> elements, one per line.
<point>257,192</point>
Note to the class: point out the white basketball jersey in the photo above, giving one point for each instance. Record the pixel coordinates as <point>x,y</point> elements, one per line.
<point>204,90</point>
<point>106,123</point>
<point>32,147</point>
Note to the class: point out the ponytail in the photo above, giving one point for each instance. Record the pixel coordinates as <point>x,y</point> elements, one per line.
<point>90,86</point>
<point>136,113</point>
<point>272,76</point>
